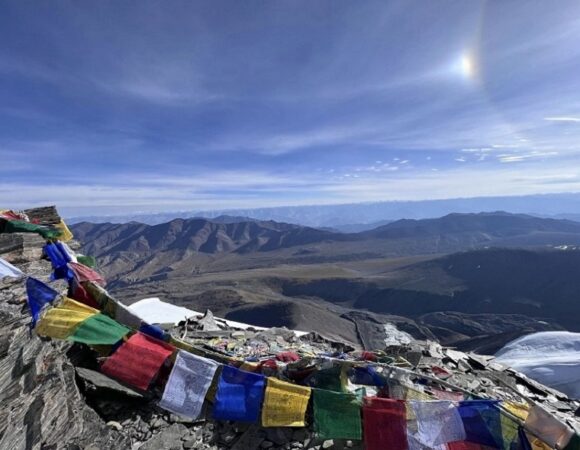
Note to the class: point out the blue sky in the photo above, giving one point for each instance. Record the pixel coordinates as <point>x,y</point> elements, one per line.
<point>132,106</point>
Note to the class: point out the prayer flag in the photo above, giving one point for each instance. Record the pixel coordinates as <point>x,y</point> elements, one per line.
<point>60,323</point>
<point>8,270</point>
<point>447,395</point>
<point>239,395</point>
<point>188,384</point>
<point>367,376</point>
<point>99,330</point>
<point>78,292</point>
<point>385,424</point>
<point>284,404</point>
<point>137,361</point>
<point>509,431</point>
<point>481,420</point>
<point>88,261</point>
<point>69,303</point>
<point>66,251</point>
<point>438,422</point>
<point>18,226</point>
<point>336,415</point>
<point>65,233</point>
<point>84,273</point>
<point>58,260</point>
<point>523,442</point>
<point>112,307</point>
<point>548,428</point>
<point>330,379</point>
<point>39,295</point>
<point>153,330</point>
<point>574,443</point>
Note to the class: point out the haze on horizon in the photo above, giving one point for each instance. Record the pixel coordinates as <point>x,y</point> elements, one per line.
<point>161,106</point>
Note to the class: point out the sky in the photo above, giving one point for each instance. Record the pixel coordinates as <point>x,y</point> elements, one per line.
<point>128,106</point>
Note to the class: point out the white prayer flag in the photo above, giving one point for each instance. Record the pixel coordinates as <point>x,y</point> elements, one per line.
<point>188,384</point>
<point>8,270</point>
<point>438,422</point>
<point>548,428</point>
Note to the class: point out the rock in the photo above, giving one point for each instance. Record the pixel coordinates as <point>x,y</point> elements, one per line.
<point>191,443</point>
<point>327,444</point>
<point>279,435</point>
<point>100,381</point>
<point>228,436</point>
<point>208,323</point>
<point>167,439</point>
<point>158,423</point>
<point>300,434</point>
<point>115,425</point>
<point>252,438</point>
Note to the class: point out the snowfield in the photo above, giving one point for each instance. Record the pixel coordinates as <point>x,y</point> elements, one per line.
<point>550,357</point>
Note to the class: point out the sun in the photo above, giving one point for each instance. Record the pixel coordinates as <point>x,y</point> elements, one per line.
<point>468,66</point>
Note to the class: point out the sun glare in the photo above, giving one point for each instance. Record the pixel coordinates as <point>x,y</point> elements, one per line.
<point>467,66</point>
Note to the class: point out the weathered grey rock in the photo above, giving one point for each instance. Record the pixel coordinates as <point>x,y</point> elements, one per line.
<point>100,381</point>
<point>279,435</point>
<point>114,425</point>
<point>41,403</point>
<point>167,439</point>
<point>252,438</point>
<point>207,322</point>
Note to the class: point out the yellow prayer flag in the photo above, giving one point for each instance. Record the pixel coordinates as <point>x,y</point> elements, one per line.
<point>60,323</point>
<point>65,234</point>
<point>284,404</point>
<point>520,410</point>
<point>537,444</point>
<point>69,303</point>
<point>414,394</point>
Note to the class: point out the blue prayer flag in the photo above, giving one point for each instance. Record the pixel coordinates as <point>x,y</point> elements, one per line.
<point>63,251</point>
<point>523,443</point>
<point>367,376</point>
<point>39,295</point>
<point>59,260</point>
<point>482,422</point>
<point>239,395</point>
<point>152,330</point>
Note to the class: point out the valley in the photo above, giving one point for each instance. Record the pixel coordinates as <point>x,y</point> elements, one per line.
<point>473,281</point>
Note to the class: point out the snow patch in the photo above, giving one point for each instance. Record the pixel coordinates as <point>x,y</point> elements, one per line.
<point>396,336</point>
<point>550,357</point>
<point>153,310</point>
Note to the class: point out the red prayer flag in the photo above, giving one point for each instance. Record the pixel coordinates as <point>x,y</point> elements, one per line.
<point>80,294</point>
<point>138,360</point>
<point>385,424</point>
<point>84,273</point>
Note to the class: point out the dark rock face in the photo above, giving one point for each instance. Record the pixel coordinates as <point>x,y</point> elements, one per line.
<point>42,407</point>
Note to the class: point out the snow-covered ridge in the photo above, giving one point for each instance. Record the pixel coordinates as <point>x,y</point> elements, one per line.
<point>155,311</point>
<point>550,357</point>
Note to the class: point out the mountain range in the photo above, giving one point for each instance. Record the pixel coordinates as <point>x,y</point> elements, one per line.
<point>471,280</point>
<point>353,217</point>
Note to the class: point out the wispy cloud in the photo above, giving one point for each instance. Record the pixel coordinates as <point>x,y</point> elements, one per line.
<point>562,119</point>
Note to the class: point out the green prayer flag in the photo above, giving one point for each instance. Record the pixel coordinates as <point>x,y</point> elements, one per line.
<point>88,261</point>
<point>336,415</point>
<point>99,330</point>
<point>17,226</point>
<point>574,443</point>
<point>329,379</point>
